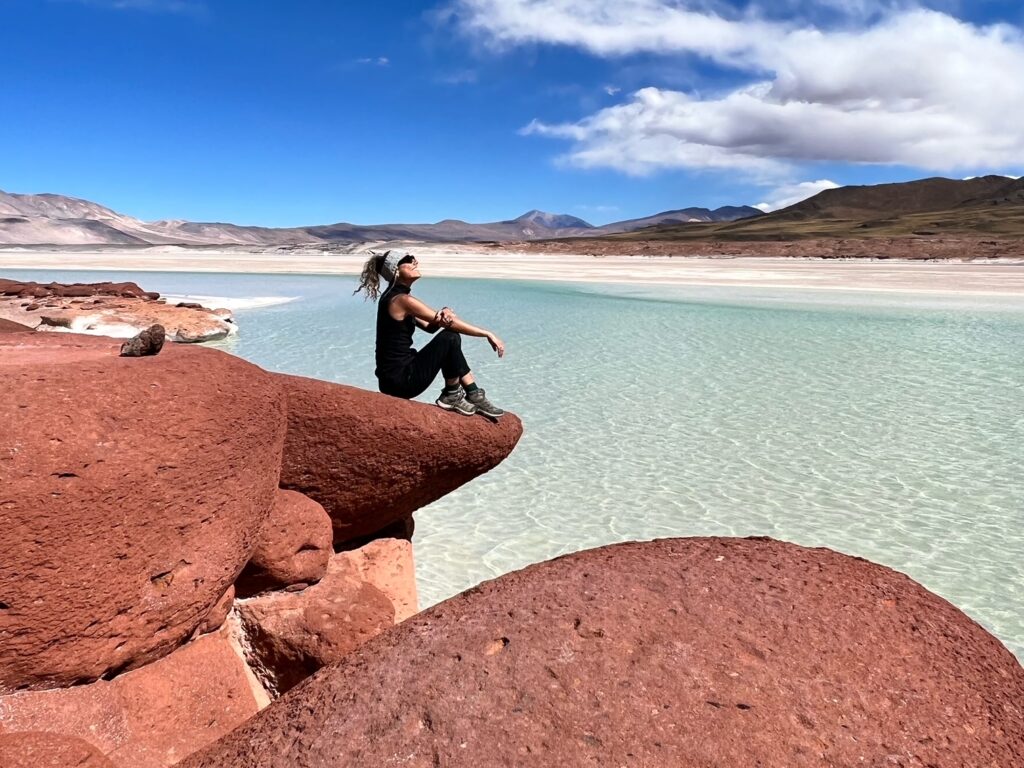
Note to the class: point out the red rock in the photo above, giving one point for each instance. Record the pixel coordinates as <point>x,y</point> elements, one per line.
<point>219,613</point>
<point>133,494</point>
<point>686,652</point>
<point>294,546</point>
<point>66,290</point>
<point>49,750</point>
<point>113,309</point>
<point>151,717</point>
<point>147,342</point>
<point>372,460</point>
<point>9,326</point>
<point>388,565</point>
<point>292,635</point>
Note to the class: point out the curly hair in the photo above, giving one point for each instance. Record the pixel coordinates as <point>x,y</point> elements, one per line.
<point>369,280</point>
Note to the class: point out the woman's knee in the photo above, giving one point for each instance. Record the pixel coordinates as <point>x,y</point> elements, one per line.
<point>451,337</point>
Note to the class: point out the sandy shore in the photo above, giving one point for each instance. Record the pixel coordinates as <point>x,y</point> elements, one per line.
<point>997,278</point>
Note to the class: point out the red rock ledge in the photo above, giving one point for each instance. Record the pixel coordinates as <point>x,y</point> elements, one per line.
<point>372,460</point>
<point>684,652</point>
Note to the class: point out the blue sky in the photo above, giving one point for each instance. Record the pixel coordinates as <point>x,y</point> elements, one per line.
<point>237,111</point>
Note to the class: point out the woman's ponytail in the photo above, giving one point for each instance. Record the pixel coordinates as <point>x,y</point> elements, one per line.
<point>369,280</point>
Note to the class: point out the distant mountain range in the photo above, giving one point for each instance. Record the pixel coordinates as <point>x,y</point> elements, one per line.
<point>987,205</point>
<point>49,219</point>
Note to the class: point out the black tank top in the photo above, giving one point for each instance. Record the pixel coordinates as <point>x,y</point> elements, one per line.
<point>394,337</point>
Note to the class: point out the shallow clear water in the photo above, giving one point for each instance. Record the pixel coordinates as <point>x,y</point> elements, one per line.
<point>888,426</point>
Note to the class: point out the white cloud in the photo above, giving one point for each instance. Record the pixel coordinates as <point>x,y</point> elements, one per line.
<point>380,61</point>
<point>791,194</point>
<point>913,86</point>
<point>605,27</point>
<point>612,90</point>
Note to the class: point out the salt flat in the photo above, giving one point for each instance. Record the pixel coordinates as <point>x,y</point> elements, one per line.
<point>1004,277</point>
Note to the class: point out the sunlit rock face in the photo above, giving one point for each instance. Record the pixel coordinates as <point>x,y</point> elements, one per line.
<point>133,491</point>
<point>681,652</point>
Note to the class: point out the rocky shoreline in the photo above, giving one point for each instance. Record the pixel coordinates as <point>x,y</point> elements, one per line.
<point>119,310</point>
<point>206,564</point>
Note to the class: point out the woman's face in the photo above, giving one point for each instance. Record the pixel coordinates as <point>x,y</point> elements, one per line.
<point>409,271</point>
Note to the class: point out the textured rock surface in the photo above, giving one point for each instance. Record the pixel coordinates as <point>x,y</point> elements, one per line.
<point>148,718</point>
<point>372,460</point>
<point>108,309</point>
<point>133,490</point>
<point>291,635</point>
<point>48,750</point>
<point>388,565</point>
<point>694,652</point>
<point>294,546</point>
<point>219,613</point>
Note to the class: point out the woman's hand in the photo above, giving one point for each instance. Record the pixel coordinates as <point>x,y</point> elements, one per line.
<point>445,317</point>
<point>496,344</point>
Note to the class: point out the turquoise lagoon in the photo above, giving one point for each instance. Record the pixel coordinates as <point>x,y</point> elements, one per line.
<point>889,426</point>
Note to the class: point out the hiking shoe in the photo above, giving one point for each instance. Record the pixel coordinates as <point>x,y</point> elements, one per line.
<point>483,405</point>
<point>456,401</point>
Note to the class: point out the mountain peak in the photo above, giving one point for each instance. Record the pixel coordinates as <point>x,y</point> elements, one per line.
<point>553,220</point>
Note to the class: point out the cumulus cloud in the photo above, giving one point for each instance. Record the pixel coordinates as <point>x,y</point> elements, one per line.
<point>607,27</point>
<point>791,194</point>
<point>885,84</point>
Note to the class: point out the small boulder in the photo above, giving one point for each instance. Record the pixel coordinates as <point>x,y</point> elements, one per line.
<point>388,565</point>
<point>148,342</point>
<point>294,546</point>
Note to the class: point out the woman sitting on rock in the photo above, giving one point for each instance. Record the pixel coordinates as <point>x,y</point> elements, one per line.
<point>401,370</point>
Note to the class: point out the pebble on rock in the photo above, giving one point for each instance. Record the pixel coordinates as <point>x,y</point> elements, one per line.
<point>148,342</point>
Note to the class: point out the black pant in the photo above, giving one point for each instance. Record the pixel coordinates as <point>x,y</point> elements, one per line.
<point>443,353</point>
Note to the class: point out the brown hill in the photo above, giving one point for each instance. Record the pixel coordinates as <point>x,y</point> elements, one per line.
<point>867,202</point>
<point>988,205</point>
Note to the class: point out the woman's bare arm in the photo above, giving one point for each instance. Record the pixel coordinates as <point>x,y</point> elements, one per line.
<point>420,311</point>
<point>410,305</point>
<point>428,327</point>
<point>461,326</point>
